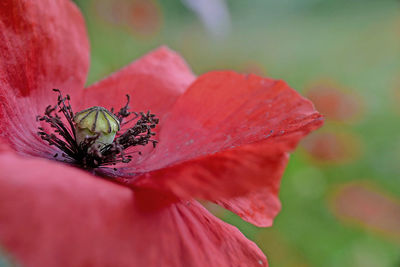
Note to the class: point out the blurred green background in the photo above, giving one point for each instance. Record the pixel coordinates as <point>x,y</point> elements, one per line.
<point>341,190</point>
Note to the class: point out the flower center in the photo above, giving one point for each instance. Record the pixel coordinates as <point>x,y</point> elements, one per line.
<point>92,138</point>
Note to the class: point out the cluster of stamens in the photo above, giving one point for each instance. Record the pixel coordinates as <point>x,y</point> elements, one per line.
<point>88,138</point>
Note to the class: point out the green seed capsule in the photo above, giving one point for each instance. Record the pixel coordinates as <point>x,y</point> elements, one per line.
<point>96,121</point>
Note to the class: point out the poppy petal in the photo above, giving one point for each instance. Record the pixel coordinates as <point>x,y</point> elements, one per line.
<point>4,146</point>
<point>43,45</point>
<point>55,215</point>
<point>227,135</point>
<point>154,83</point>
<point>259,207</point>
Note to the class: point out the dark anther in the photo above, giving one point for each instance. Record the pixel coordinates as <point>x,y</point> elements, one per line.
<point>89,154</point>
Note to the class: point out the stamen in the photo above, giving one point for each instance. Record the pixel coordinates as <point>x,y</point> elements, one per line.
<point>91,149</point>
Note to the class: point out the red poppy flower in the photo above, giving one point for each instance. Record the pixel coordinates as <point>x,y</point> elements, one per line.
<point>223,137</point>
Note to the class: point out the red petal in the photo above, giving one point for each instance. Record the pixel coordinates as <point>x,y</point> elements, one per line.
<point>228,135</point>
<point>154,83</point>
<point>259,207</point>
<point>43,45</point>
<point>55,215</point>
<point>4,145</point>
